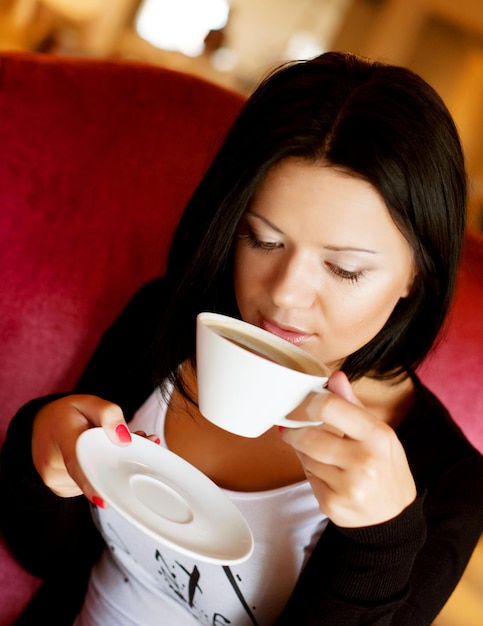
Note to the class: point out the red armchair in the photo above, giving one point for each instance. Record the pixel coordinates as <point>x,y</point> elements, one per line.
<point>98,160</point>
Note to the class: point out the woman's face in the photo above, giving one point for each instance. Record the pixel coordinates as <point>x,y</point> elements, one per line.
<point>319,261</point>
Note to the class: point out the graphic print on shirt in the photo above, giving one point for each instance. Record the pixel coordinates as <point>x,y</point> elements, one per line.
<point>185,583</point>
<point>238,592</point>
<point>245,594</point>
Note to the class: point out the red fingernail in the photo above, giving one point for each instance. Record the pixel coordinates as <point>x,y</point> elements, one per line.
<point>98,502</point>
<point>281,429</point>
<point>157,440</point>
<point>123,434</point>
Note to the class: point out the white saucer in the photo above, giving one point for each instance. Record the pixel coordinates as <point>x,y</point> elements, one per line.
<point>166,497</point>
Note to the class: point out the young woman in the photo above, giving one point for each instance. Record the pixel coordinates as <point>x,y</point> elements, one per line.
<point>333,217</point>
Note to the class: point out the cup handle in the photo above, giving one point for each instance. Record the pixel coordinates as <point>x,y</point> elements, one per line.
<point>286,423</point>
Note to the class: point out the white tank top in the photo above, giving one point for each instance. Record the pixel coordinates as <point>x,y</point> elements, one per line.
<point>138,581</point>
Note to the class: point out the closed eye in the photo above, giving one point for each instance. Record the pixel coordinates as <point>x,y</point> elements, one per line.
<point>342,274</point>
<point>251,241</point>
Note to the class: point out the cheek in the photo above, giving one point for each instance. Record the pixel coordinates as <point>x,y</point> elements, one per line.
<point>241,278</point>
<point>365,316</point>
<point>376,310</point>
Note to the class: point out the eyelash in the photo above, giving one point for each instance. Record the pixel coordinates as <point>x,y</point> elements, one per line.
<point>343,274</point>
<point>252,242</point>
<point>340,273</point>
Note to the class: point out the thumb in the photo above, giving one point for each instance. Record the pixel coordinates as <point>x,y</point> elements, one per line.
<point>341,386</point>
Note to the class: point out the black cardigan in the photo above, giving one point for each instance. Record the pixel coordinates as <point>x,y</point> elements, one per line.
<point>400,572</point>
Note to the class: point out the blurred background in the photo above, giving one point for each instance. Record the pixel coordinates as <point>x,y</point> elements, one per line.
<point>236,42</point>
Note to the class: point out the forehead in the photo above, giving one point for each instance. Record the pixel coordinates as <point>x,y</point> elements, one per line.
<point>319,178</point>
<point>325,205</point>
<point>302,184</point>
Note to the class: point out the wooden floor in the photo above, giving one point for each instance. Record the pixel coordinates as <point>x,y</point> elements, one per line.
<point>465,607</point>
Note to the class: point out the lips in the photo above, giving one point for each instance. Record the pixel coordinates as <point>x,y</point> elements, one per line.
<point>292,335</point>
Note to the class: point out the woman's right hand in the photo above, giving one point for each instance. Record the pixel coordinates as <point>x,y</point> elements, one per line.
<point>55,431</point>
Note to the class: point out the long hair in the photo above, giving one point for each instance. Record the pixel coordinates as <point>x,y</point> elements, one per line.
<point>379,122</point>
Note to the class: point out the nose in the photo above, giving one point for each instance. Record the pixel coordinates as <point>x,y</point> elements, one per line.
<point>294,283</point>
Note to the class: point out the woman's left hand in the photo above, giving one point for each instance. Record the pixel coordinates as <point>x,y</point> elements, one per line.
<point>355,463</point>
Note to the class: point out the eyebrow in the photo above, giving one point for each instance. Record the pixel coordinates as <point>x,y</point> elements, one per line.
<point>349,249</point>
<point>332,248</point>
<point>267,222</point>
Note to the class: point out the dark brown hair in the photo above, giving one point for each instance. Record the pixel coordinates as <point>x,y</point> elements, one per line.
<point>378,122</point>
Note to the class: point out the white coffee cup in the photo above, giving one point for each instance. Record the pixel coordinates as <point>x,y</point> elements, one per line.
<point>250,379</point>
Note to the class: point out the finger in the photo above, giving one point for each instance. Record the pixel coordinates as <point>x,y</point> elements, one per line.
<point>330,475</point>
<point>93,411</point>
<point>333,501</point>
<point>56,429</point>
<point>344,413</point>
<point>83,484</point>
<point>341,386</point>
<point>154,438</point>
<point>322,446</point>
<point>106,414</point>
<point>324,479</point>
